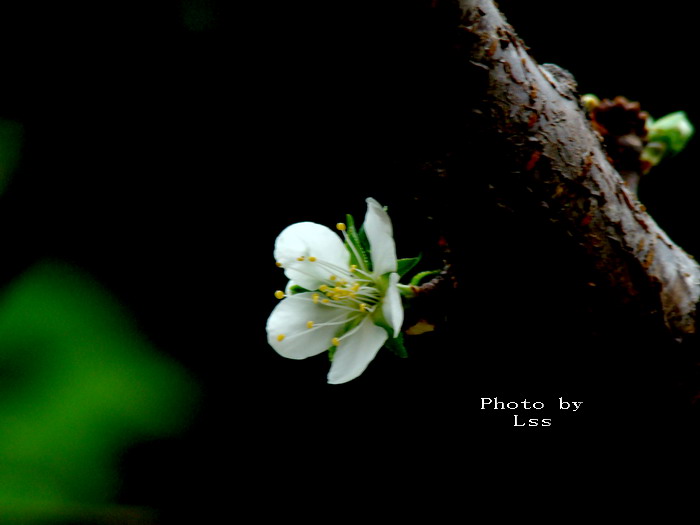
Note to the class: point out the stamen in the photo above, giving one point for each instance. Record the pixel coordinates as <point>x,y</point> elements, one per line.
<point>334,277</point>
<point>339,320</point>
<point>365,298</point>
<point>366,274</point>
<point>334,269</point>
<point>312,259</point>
<point>279,294</point>
<point>348,334</point>
<point>329,303</point>
<point>335,341</point>
<point>341,226</point>
<point>300,258</point>
<point>352,247</point>
<point>357,302</point>
<point>363,307</point>
<point>278,264</point>
<point>301,268</point>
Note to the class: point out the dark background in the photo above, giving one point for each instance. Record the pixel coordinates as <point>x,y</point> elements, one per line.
<point>167,144</point>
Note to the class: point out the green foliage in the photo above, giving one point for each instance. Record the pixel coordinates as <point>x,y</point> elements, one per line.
<point>77,385</point>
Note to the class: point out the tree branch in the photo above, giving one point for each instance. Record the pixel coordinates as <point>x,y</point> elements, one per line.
<point>556,161</point>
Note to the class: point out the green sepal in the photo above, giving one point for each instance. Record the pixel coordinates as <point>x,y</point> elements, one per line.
<point>359,243</point>
<point>365,242</point>
<point>295,289</point>
<point>416,281</point>
<point>396,345</point>
<point>331,353</point>
<point>406,265</point>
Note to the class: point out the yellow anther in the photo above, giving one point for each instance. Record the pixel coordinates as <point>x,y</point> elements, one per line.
<point>300,258</point>
<point>323,287</point>
<point>332,277</point>
<point>355,287</point>
<point>309,324</point>
<point>279,294</point>
<point>325,301</point>
<point>312,258</point>
<point>341,226</point>
<point>353,267</point>
<point>280,337</point>
<point>278,264</point>
<point>363,307</point>
<point>335,341</point>
<point>314,298</point>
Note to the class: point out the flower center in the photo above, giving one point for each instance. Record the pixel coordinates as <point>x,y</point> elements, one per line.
<point>351,290</point>
<point>349,287</point>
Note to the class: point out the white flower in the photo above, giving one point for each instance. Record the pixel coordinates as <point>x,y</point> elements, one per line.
<point>351,304</point>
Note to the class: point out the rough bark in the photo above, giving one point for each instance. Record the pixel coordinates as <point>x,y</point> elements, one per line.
<point>533,112</point>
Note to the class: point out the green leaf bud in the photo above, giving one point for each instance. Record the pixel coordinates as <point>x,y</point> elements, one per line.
<point>667,136</point>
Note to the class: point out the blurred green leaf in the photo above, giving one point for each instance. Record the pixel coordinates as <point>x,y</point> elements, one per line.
<point>78,384</point>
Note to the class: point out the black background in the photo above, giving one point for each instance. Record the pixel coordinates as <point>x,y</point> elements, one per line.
<point>165,161</point>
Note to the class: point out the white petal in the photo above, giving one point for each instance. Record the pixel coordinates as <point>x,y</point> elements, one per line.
<point>290,317</point>
<point>381,238</point>
<point>356,352</point>
<point>392,308</point>
<point>305,239</point>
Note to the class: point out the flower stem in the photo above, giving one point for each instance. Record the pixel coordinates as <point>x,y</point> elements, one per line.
<point>406,291</point>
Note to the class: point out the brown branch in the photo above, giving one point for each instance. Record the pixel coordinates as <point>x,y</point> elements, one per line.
<point>533,113</point>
